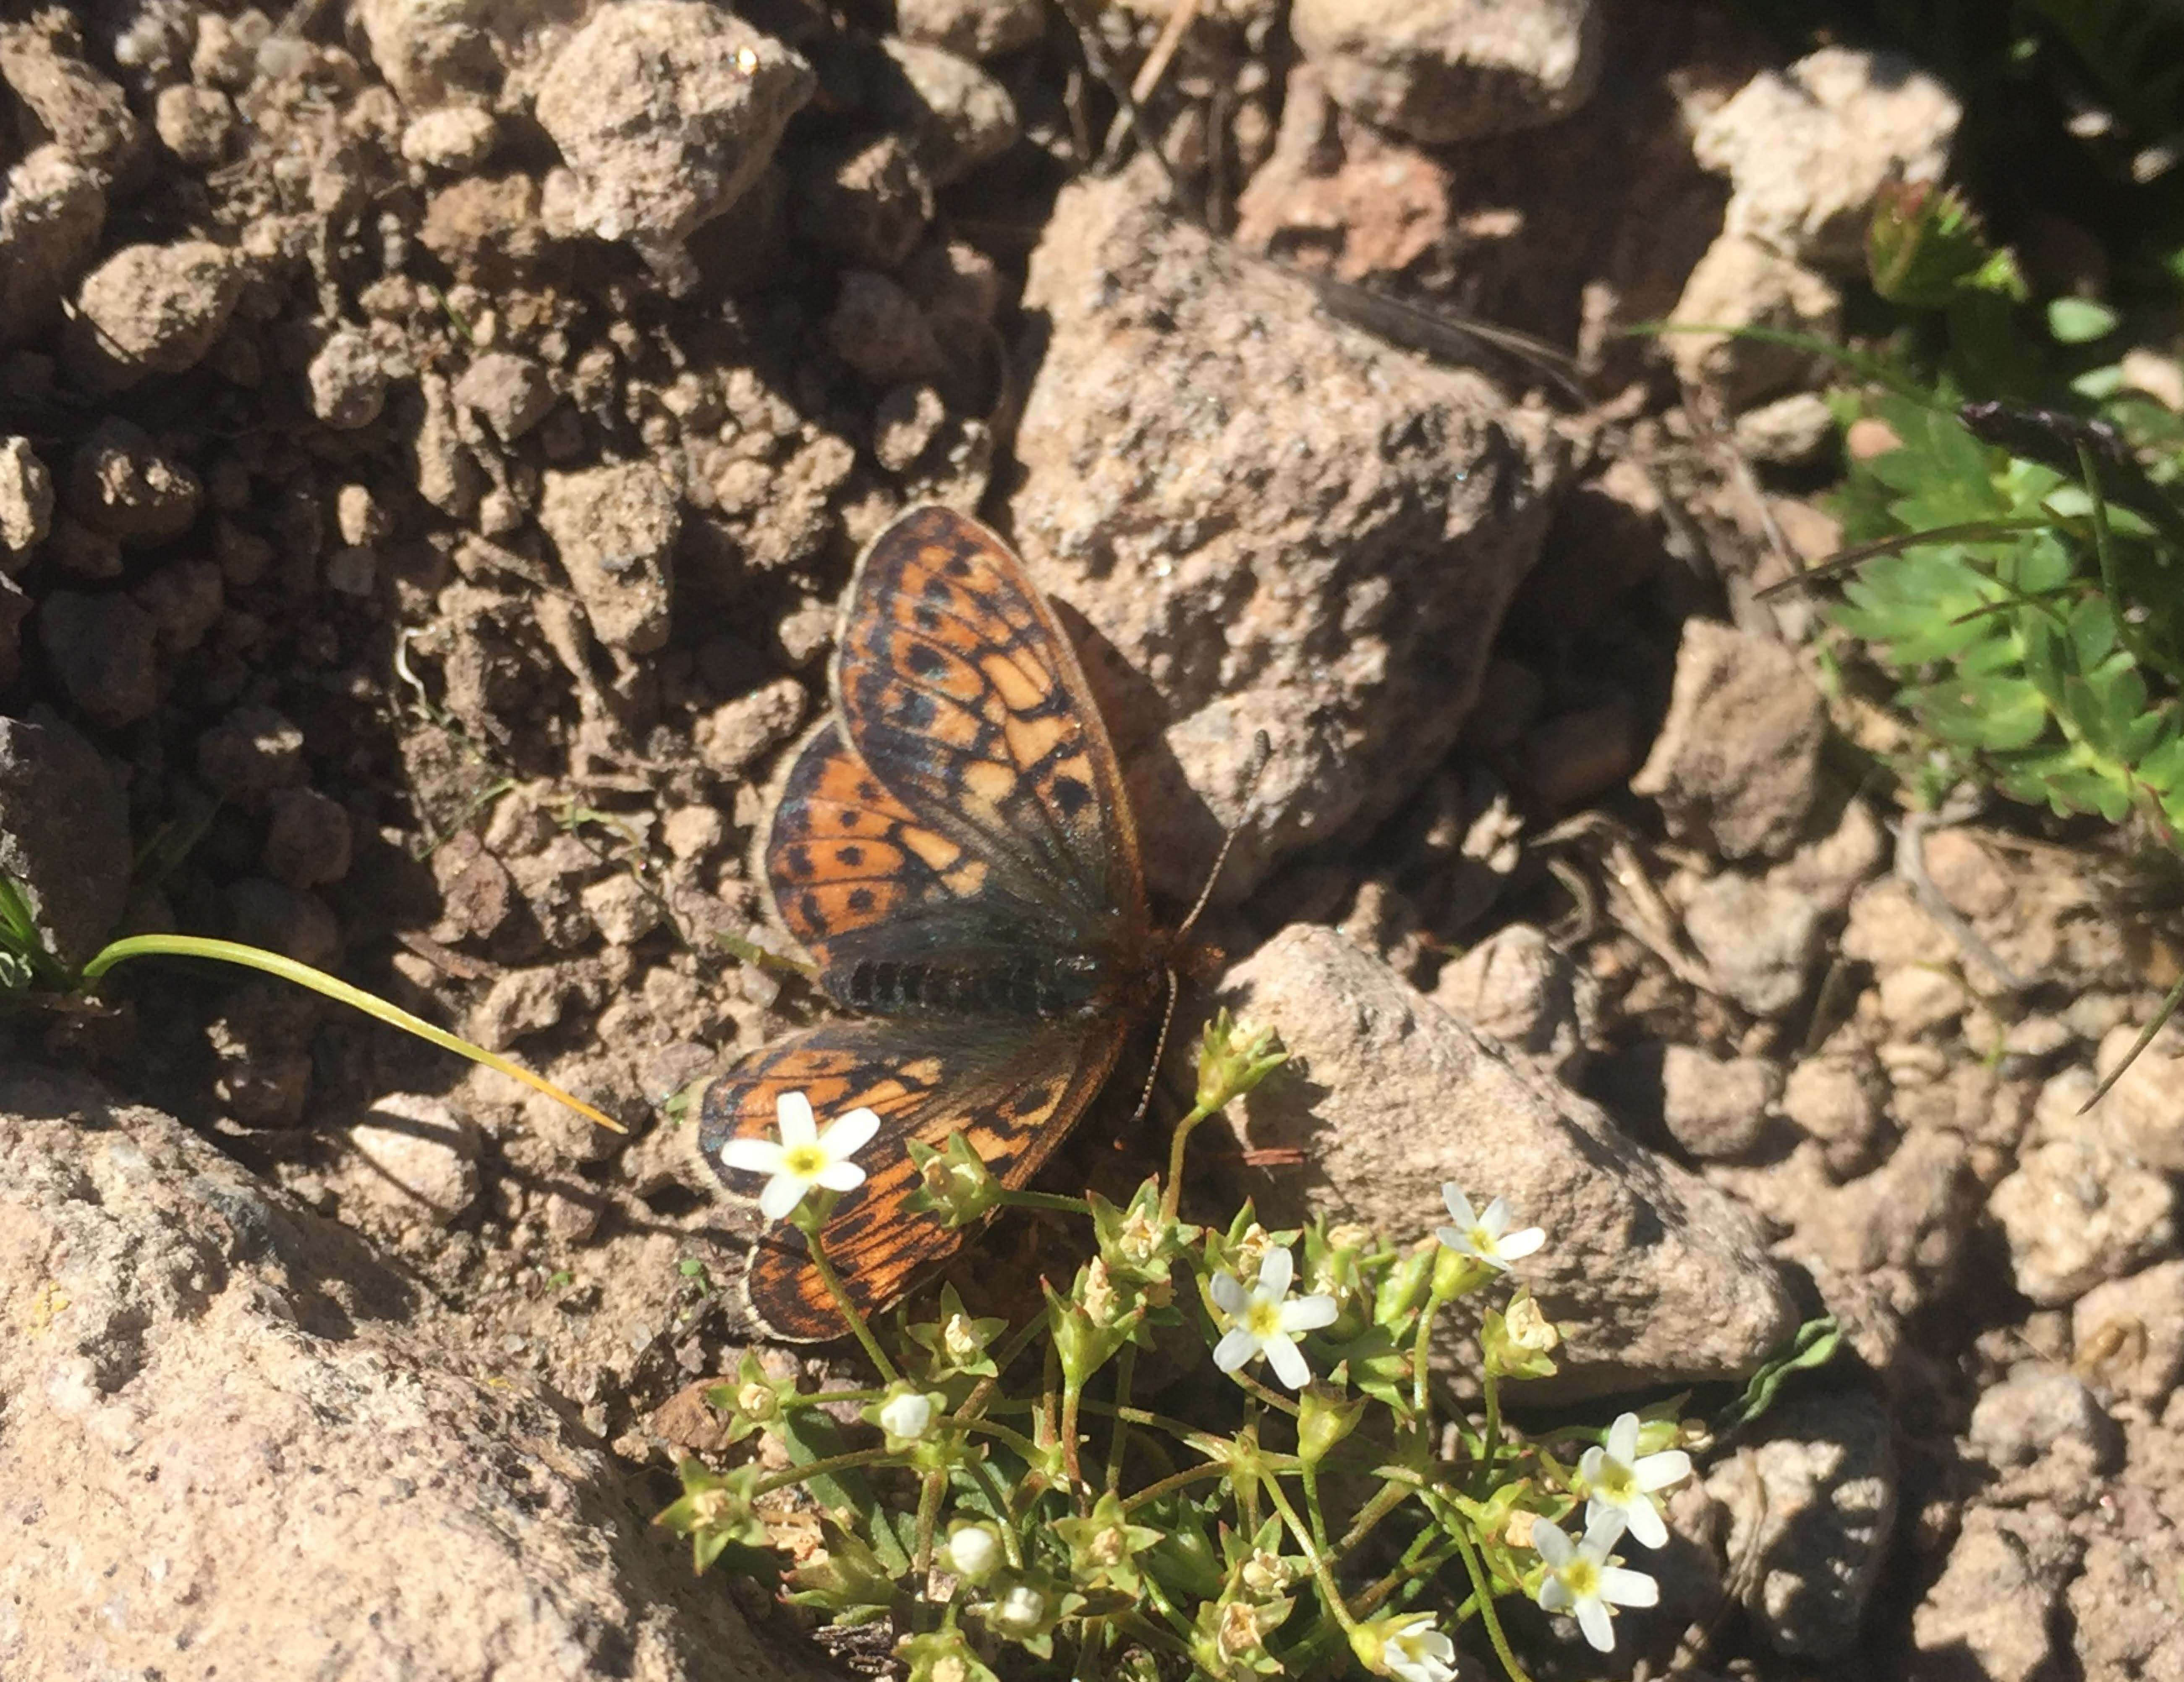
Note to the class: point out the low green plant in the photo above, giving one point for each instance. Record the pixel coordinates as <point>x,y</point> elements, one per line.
<point>29,970</point>
<point>1010,1504</point>
<point>2017,559</point>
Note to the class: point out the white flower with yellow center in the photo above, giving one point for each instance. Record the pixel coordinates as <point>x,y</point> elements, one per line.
<point>1584,1581</point>
<point>1485,1235</point>
<point>1620,1482</point>
<point>1264,1321</point>
<point>806,1155</point>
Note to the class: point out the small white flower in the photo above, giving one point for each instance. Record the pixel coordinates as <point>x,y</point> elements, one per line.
<point>1021,1610</point>
<point>973,1552</point>
<point>1414,1651</point>
<point>1486,1237</point>
<point>805,1157</point>
<point>1583,1580</point>
<point>907,1417</point>
<point>1620,1482</point>
<point>1263,1322</point>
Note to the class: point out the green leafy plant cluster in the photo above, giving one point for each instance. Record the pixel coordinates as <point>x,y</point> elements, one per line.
<point>2018,569</point>
<point>1011,1505</point>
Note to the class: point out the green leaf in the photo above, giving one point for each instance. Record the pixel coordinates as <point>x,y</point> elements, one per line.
<point>1812,1344</point>
<point>2162,766</point>
<point>2092,627</point>
<point>2078,320</point>
<point>1991,713</point>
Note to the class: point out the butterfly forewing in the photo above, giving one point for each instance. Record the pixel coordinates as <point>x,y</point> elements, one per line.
<point>962,694</point>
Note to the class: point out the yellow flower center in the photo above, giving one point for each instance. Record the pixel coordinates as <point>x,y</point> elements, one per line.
<point>1581,1577</point>
<point>1617,1483</point>
<point>804,1162</point>
<point>1262,1319</point>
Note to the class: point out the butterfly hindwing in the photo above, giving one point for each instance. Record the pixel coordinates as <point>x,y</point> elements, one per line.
<point>1014,1096</point>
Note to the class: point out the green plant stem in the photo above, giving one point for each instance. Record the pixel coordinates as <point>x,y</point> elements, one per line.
<point>820,1468</point>
<point>993,1427</point>
<point>1490,1444</point>
<point>1391,1496</point>
<point>1172,1192</point>
<point>1485,1594</point>
<point>1168,1485</point>
<point>1072,1393</point>
<point>1272,1398</point>
<point>928,1515</point>
<point>1420,1349</point>
<point>808,1222</point>
<point>827,1397</point>
<point>1004,1513</point>
<point>1311,1507</point>
<point>303,976</point>
<point>1050,1200</point>
<point>1126,1368</point>
<point>2105,551</point>
<point>1321,1573</point>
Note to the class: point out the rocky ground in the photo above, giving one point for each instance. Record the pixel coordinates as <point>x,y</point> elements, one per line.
<point>432,440</point>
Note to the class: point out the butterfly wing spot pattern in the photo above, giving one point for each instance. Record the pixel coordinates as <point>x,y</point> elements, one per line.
<point>955,849</point>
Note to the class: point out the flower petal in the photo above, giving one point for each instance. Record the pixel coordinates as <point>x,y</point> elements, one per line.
<point>1459,1206</point>
<point>1517,1245</point>
<point>1494,1217</point>
<point>1551,1545</point>
<point>1275,1273</point>
<point>1589,1462</point>
<point>1454,1238</point>
<point>753,1156</point>
<point>1603,1533</point>
<point>1660,1471</point>
<point>792,1114</point>
<point>783,1192</point>
<point>1288,1361</point>
<point>1618,1587</point>
<point>1236,1347</point>
<point>1592,1619</point>
<point>1554,1594</point>
<point>1623,1438</point>
<point>839,1176</point>
<point>1646,1528</point>
<point>1228,1293</point>
<point>1308,1314</point>
<point>847,1134</point>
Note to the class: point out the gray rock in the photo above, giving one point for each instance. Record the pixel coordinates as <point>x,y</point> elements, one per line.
<point>1655,1276</point>
<point>2143,1113</point>
<point>103,650</point>
<point>666,111</point>
<point>123,485</point>
<point>196,124</point>
<point>2075,1213</point>
<point>414,1163</point>
<point>1839,1098</point>
<point>153,310</point>
<point>249,754</point>
<point>1991,1614</point>
<point>736,733</point>
<point>869,201</point>
<point>1817,1525</point>
<point>347,381</point>
<point>50,217</point>
<point>2047,1438</point>
<point>2122,1621</point>
<point>1759,939</point>
<point>1736,766</point>
<point>307,841</point>
<point>85,113</point>
<point>1740,282</point>
<point>878,329</point>
<point>513,393</point>
<point>63,834</point>
<point>1787,432</point>
<point>1293,527</point>
<point>1441,71</point>
<point>1716,1107</point>
<point>2127,1335</point>
<point>1515,985</point>
<point>957,116</point>
<point>975,29</point>
<point>26,503</point>
<point>615,527</point>
<point>1808,150</point>
<point>1902,1231</point>
<point>180,1318</point>
<point>454,138</point>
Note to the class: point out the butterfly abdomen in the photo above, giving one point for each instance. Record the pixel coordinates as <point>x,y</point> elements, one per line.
<point>1029,987</point>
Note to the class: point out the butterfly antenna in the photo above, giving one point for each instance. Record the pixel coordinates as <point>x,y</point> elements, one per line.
<point>1262,750</point>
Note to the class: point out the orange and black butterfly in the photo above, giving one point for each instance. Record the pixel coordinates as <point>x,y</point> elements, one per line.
<point>955,849</point>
